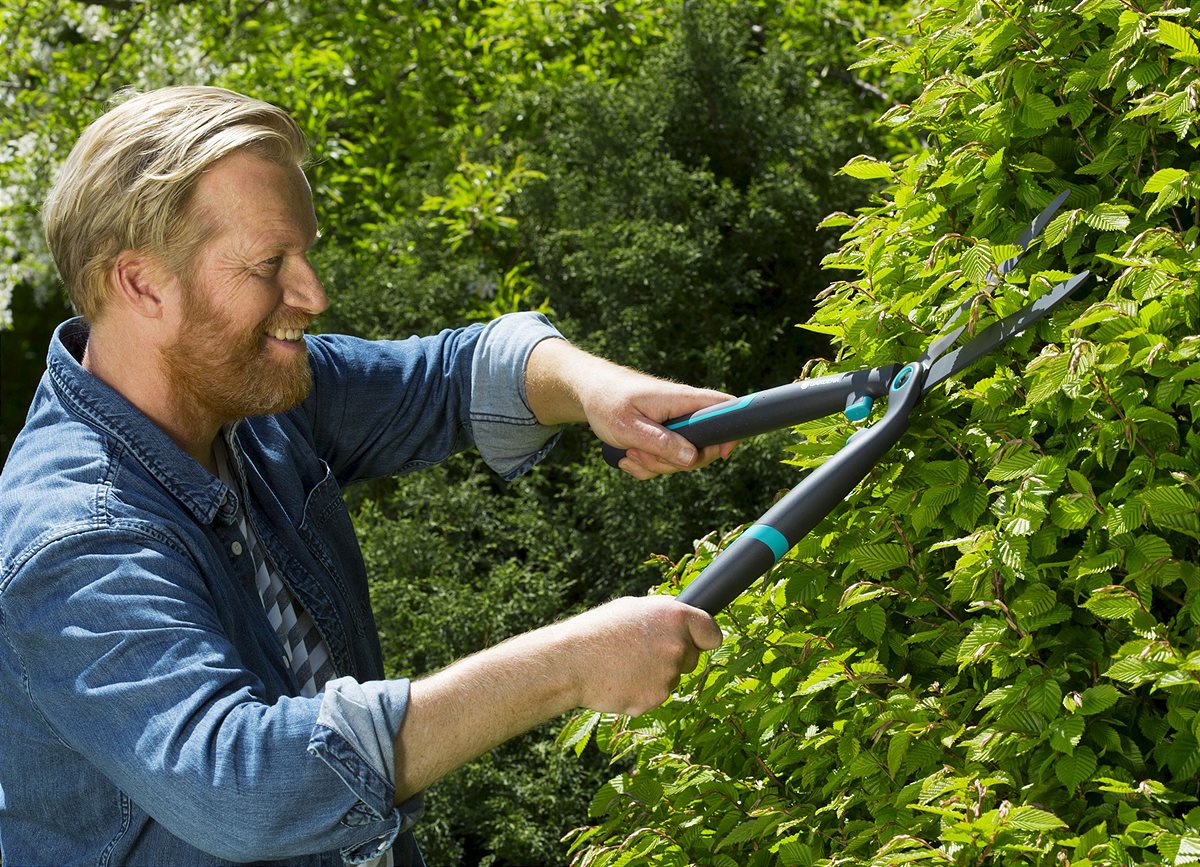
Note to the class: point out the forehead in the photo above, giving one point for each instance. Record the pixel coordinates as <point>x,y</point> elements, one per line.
<point>257,201</point>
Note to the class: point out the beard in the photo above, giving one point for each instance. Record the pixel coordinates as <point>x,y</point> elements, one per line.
<point>224,373</point>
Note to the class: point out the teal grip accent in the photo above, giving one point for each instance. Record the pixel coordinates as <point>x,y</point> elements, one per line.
<point>770,537</point>
<point>858,410</point>
<point>741,404</point>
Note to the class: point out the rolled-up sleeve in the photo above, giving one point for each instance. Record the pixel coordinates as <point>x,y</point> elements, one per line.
<point>355,735</point>
<point>504,428</point>
<point>116,625</point>
<point>393,406</point>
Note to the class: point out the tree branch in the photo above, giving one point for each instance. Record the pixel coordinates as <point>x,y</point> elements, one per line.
<point>856,82</point>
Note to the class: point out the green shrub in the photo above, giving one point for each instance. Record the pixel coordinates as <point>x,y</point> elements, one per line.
<point>989,654</point>
<point>677,222</point>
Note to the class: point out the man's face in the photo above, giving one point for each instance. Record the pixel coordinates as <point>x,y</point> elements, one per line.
<point>239,349</point>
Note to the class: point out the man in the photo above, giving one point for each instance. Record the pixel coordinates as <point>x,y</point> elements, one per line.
<point>189,670</point>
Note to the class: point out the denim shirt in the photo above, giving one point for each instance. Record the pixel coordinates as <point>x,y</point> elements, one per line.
<point>147,715</point>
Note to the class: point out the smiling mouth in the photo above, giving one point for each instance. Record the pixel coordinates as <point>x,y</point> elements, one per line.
<point>290,334</point>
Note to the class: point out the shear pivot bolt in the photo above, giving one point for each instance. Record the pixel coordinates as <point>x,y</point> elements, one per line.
<point>902,378</point>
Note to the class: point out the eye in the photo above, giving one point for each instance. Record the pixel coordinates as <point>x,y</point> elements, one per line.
<point>270,267</point>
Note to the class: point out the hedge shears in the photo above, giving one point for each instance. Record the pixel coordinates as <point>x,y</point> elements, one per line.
<point>766,541</point>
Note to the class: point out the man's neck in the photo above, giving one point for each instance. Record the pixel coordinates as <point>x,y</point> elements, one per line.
<point>137,375</point>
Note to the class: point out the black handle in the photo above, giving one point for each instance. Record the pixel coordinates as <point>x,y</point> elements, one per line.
<point>778,407</point>
<point>787,522</point>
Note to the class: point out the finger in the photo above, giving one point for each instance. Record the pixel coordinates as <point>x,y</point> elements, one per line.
<point>705,632</point>
<point>636,469</point>
<point>654,441</point>
<point>700,398</point>
<point>651,464</point>
<point>688,663</point>
<point>709,454</point>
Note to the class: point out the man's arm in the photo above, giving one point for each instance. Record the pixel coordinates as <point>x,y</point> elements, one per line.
<point>623,407</point>
<point>623,657</point>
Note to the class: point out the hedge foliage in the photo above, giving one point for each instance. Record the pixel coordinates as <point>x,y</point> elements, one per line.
<point>989,654</point>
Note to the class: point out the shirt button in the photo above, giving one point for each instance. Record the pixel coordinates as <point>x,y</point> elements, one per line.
<point>236,548</point>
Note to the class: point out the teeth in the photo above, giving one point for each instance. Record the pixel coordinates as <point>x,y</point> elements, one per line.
<point>287,333</point>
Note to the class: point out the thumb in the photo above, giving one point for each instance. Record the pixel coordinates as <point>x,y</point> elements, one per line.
<point>705,633</point>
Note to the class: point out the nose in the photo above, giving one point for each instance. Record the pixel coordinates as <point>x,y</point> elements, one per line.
<point>305,291</point>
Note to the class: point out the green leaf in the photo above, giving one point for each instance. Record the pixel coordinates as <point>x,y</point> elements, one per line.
<point>897,750</point>
<point>576,733</point>
<point>863,591</point>
<point>1073,511</point>
<point>793,853</point>
<point>1189,849</point>
<point>1035,162</point>
<point>877,559</point>
<point>1038,111</point>
<point>1044,697</point>
<point>1136,671</point>
<point>1098,698</point>
<point>1034,819</point>
<point>867,168</point>
<point>1065,733</point>
<point>1178,37</point>
<point>1074,769</point>
<point>1164,178</point>
<point>825,675</point>
<point>1015,462</point>
<point>977,262</point>
<point>1107,218</point>
<point>1037,600</point>
<point>871,622</point>
<point>986,632</point>
<point>1183,757</point>
<point>1113,603</point>
<point>1165,500</point>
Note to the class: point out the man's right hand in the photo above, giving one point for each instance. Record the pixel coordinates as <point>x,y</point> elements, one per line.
<point>633,651</point>
<point>623,657</point>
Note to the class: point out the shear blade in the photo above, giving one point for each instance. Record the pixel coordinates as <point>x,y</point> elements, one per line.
<point>1035,228</point>
<point>1000,332</point>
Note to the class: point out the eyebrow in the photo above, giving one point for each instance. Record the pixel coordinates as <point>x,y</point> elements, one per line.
<point>287,246</point>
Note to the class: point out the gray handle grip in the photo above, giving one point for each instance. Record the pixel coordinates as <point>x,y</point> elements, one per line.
<point>774,408</point>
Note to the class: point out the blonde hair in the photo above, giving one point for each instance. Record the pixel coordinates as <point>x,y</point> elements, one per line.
<point>128,182</point>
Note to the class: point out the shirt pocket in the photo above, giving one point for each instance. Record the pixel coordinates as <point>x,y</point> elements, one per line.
<point>328,533</point>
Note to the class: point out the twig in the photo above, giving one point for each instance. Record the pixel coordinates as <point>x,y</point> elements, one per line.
<point>112,58</point>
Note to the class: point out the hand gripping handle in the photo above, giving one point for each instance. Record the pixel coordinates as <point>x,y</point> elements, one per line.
<point>778,407</point>
<point>787,522</point>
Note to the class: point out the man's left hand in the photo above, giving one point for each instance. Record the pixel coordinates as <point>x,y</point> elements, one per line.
<point>624,408</point>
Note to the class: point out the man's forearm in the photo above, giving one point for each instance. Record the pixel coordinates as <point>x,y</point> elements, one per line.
<point>478,703</point>
<point>553,375</point>
<point>623,657</point>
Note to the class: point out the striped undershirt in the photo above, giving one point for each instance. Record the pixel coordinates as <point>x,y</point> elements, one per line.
<point>304,650</point>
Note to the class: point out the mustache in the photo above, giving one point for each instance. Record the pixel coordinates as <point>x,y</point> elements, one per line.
<point>287,321</point>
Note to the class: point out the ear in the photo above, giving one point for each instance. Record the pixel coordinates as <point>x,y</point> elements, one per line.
<point>140,283</point>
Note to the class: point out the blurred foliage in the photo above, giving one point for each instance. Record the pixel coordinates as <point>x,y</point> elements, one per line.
<point>989,654</point>
<point>651,173</point>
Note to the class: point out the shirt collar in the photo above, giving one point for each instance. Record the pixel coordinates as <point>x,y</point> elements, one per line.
<point>195,487</point>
